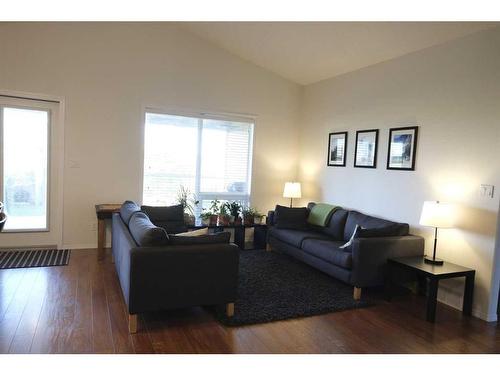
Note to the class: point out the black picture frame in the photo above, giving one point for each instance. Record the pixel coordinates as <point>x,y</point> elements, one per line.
<point>330,161</point>
<point>410,150</point>
<point>373,163</point>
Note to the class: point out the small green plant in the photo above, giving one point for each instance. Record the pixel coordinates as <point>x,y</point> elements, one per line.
<point>249,212</point>
<point>205,215</point>
<point>234,208</point>
<point>214,206</point>
<point>187,200</point>
<point>223,210</point>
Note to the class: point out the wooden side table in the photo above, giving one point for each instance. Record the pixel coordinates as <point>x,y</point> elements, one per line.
<point>103,212</point>
<point>433,273</point>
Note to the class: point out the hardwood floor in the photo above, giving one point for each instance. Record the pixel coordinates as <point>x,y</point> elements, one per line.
<point>79,308</point>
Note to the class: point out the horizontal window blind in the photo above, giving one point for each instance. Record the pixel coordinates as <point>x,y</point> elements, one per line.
<point>212,158</point>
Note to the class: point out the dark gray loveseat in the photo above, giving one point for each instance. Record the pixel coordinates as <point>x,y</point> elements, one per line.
<point>164,275</point>
<point>362,264</point>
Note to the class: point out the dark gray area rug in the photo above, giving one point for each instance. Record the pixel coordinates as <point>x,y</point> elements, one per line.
<point>274,286</point>
<point>27,258</point>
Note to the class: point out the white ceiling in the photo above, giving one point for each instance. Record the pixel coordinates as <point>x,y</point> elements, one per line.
<point>307,52</point>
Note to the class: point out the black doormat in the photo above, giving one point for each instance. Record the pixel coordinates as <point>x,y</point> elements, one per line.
<point>274,286</point>
<point>33,258</point>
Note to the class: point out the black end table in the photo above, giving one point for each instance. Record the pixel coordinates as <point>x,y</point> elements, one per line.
<point>259,236</point>
<point>433,273</point>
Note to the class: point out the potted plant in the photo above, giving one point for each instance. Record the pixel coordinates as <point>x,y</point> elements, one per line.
<point>188,201</point>
<point>3,217</point>
<point>248,215</point>
<point>224,215</point>
<point>205,217</point>
<point>234,209</point>
<point>257,218</point>
<point>214,211</point>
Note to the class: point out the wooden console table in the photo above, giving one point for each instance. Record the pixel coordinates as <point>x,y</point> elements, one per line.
<point>103,212</point>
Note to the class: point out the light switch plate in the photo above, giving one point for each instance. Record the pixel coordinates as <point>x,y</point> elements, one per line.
<point>486,190</point>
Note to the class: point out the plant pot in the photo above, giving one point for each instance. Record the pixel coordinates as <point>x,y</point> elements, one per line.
<point>212,220</point>
<point>237,221</point>
<point>3,219</point>
<point>189,219</point>
<point>223,220</point>
<point>231,220</point>
<point>249,220</point>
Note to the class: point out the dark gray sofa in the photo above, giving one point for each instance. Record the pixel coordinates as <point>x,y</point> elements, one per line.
<point>363,263</point>
<point>169,276</point>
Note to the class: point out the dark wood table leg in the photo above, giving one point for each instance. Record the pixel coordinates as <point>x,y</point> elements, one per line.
<point>259,237</point>
<point>239,237</point>
<point>101,238</point>
<point>388,287</point>
<point>468,294</point>
<point>421,285</point>
<point>432,299</point>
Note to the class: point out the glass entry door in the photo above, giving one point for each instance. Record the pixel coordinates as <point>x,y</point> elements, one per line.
<point>29,178</point>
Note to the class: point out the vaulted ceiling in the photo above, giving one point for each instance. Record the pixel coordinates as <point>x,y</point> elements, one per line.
<point>307,52</point>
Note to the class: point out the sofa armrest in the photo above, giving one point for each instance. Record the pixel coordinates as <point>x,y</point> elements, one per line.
<point>181,276</point>
<point>369,256</point>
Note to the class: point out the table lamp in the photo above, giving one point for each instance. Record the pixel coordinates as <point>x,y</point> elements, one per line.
<point>292,190</point>
<point>437,215</point>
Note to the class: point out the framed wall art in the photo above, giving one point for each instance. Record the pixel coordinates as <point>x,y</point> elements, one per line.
<point>337,149</point>
<point>365,154</point>
<point>402,148</point>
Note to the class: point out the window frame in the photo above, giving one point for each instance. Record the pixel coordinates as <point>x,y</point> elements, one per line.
<point>200,116</point>
<point>38,106</point>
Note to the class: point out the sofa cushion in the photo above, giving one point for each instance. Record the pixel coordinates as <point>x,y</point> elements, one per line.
<point>291,218</point>
<point>369,222</point>
<point>127,209</point>
<point>295,237</point>
<point>145,233</point>
<point>170,218</point>
<point>335,228</point>
<point>193,233</point>
<point>205,239</point>
<point>388,231</point>
<point>328,251</point>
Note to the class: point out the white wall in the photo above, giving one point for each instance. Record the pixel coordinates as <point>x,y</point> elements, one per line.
<point>452,92</point>
<point>108,72</point>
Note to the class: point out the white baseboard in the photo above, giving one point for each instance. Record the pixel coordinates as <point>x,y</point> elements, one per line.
<point>80,246</point>
<point>478,313</point>
<point>83,246</point>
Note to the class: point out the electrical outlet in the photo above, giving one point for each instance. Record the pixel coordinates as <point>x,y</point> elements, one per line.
<point>92,226</point>
<point>486,190</point>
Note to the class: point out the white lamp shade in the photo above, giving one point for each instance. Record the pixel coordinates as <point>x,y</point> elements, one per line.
<point>292,190</point>
<point>437,215</point>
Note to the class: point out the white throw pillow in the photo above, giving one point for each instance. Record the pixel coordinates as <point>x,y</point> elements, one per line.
<point>349,243</point>
<point>198,232</point>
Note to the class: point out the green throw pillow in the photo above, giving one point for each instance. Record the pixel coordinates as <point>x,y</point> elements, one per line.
<point>320,214</point>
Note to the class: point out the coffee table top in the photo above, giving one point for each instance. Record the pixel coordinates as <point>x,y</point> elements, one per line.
<point>418,264</point>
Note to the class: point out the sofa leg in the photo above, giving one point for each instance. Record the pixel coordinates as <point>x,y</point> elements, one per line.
<point>268,247</point>
<point>230,309</point>
<point>132,323</point>
<point>357,293</point>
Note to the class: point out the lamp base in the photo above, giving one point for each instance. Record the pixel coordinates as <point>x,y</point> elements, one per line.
<point>436,261</point>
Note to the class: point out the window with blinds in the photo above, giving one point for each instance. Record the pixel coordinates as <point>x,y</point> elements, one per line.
<point>211,157</point>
